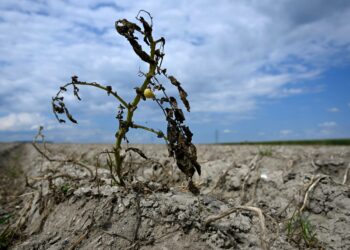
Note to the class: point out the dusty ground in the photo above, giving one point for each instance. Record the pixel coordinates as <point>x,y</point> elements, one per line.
<point>302,193</point>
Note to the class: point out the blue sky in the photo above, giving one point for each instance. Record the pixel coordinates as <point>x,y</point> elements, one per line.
<point>254,70</point>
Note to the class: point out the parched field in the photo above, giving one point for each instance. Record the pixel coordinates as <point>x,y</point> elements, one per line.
<point>252,197</point>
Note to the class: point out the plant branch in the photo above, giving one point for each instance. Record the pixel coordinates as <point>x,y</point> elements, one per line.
<point>159,133</point>
<point>100,86</point>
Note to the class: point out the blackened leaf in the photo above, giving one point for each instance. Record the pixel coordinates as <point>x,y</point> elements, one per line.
<point>74,79</point>
<point>174,81</point>
<point>169,113</point>
<point>58,109</point>
<point>138,50</point>
<point>173,102</point>
<point>160,134</point>
<point>198,167</point>
<point>162,39</point>
<point>183,96</point>
<point>109,90</point>
<point>75,92</point>
<point>163,99</point>
<point>188,133</point>
<point>179,115</point>
<point>69,116</point>
<point>194,190</point>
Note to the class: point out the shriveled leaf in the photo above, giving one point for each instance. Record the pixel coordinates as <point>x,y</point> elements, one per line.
<point>69,116</point>
<point>174,81</point>
<point>173,102</point>
<point>179,115</point>
<point>138,151</point>
<point>109,90</point>
<point>183,97</point>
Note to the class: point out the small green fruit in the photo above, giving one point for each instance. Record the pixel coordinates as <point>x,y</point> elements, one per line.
<point>148,93</point>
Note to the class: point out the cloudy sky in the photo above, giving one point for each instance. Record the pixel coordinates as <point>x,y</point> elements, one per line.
<point>254,69</point>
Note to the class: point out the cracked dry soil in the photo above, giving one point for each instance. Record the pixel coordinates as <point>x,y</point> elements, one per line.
<point>64,206</point>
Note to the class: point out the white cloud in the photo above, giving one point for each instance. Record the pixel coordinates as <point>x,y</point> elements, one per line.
<point>20,121</point>
<point>228,131</point>
<point>228,56</point>
<point>328,124</point>
<point>333,110</point>
<point>286,132</point>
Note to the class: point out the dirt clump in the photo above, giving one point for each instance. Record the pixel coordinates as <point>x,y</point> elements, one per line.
<point>252,197</point>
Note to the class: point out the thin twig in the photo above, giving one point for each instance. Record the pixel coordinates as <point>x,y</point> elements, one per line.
<point>138,218</point>
<point>97,85</point>
<point>159,133</point>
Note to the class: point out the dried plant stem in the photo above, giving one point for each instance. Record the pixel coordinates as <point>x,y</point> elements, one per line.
<point>263,236</point>
<point>314,181</point>
<point>252,165</point>
<point>80,164</point>
<point>346,174</point>
<point>123,128</point>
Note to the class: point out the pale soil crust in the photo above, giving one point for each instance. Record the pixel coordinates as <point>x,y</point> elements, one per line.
<point>65,206</point>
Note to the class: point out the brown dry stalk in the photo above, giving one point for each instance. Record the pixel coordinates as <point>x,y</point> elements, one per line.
<point>346,175</point>
<point>263,235</point>
<point>73,161</point>
<point>252,165</point>
<point>314,181</point>
<point>40,178</point>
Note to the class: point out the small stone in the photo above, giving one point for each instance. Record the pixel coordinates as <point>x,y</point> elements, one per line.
<point>182,216</point>
<point>121,209</point>
<point>146,203</point>
<point>155,204</point>
<point>126,202</point>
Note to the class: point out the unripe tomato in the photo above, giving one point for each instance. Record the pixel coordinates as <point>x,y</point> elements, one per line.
<point>148,93</point>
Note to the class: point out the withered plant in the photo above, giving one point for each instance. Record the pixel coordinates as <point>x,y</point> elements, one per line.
<point>178,137</point>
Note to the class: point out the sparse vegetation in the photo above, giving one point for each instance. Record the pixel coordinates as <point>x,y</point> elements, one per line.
<point>5,218</point>
<point>65,188</point>
<point>299,228</point>
<point>267,152</point>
